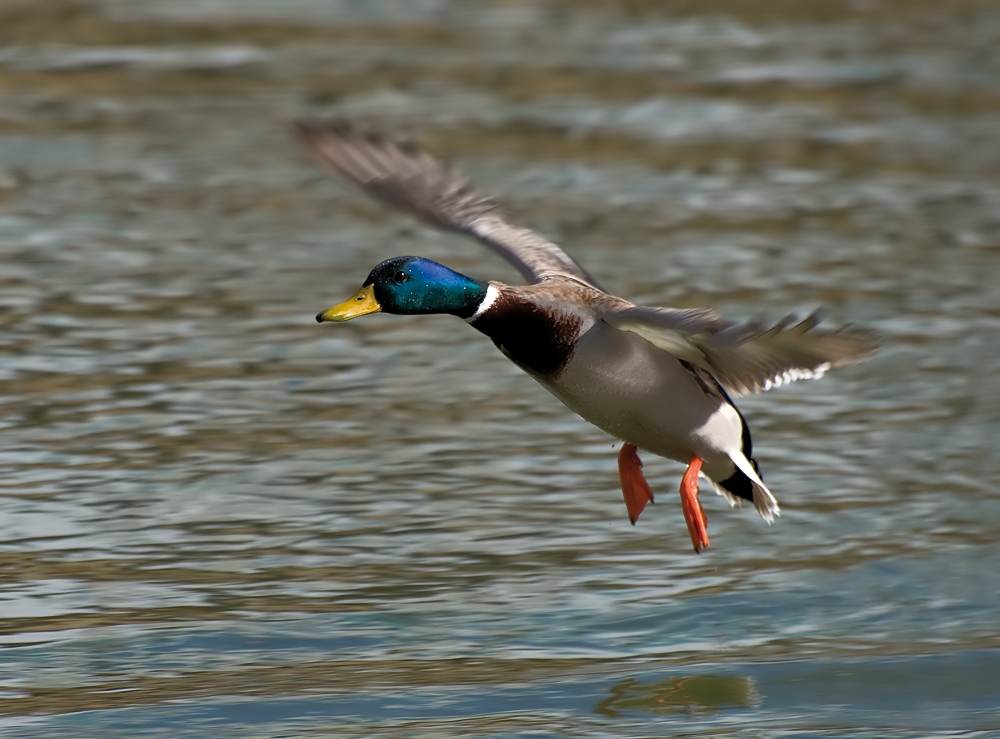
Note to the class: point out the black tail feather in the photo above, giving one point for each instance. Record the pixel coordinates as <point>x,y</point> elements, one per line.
<point>739,484</point>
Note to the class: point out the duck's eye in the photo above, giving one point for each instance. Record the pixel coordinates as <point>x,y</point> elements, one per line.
<point>400,277</point>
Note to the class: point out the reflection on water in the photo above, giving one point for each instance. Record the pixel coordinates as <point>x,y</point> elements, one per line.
<point>218,517</point>
<point>679,695</point>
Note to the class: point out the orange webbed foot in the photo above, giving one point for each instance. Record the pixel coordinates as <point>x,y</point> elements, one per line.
<point>694,515</point>
<point>635,489</point>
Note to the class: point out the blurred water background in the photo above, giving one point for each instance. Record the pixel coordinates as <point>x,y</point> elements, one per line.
<point>218,518</point>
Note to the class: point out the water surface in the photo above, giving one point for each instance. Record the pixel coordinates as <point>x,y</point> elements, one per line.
<point>219,518</point>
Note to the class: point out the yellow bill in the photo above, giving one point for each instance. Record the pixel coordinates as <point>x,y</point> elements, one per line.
<point>361,303</point>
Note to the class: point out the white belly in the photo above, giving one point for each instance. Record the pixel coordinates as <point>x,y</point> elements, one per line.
<point>642,395</point>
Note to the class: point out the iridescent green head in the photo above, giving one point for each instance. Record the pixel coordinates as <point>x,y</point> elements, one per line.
<point>411,286</point>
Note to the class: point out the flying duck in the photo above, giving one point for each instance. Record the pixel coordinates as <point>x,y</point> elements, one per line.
<point>658,379</point>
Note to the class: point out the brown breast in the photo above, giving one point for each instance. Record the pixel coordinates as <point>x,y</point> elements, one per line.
<point>537,338</point>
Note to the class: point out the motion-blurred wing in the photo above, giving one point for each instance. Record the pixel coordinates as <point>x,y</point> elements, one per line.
<point>407,176</point>
<point>747,357</point>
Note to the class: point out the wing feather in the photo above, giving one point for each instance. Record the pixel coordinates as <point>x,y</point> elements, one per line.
<point>407,176</point>
<point>747,357</point>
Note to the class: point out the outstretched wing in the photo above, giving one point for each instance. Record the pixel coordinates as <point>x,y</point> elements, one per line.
<point>747,357</point>
<point>407,176</point>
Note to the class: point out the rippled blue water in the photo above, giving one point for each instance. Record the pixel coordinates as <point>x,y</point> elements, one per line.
<point>217,517</point>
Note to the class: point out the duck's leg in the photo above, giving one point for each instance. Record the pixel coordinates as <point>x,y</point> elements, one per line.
<point>634,486</point>
<point>697,523</point>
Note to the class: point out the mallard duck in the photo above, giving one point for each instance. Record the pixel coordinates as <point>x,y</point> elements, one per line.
<point>655,378</point>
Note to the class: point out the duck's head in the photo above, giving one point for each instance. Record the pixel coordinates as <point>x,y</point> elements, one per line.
<point>410,286</point>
